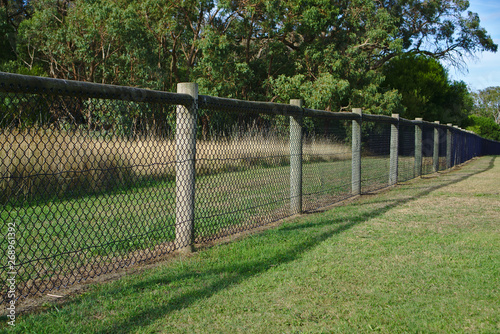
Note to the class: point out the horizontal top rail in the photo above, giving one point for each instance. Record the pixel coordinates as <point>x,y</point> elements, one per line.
<point>380,118</point>
<point>426,123</point>
<point>16,83</point>
<point>234,105</point>
<point>330,114</point>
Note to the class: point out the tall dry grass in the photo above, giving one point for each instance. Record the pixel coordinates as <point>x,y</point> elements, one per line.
<point>48,163</point>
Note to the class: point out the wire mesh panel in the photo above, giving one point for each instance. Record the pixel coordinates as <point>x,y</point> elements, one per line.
<point>94,177</point>
<point>88,184</point>
<point>458,143</point>
<point>442,148</point>
<point>490,147</point>
<point>375,160</point>
<point>326,162</point>
<point>478,141</point>
<point>242,171</point>
<point>427,149</point>
<point>406,156</point>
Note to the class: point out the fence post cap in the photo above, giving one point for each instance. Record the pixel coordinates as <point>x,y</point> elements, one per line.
<point>395,116</point>
<point>297,102</point>
<point>436,122</point>
<point>190,88</point>
<point>419,119</point>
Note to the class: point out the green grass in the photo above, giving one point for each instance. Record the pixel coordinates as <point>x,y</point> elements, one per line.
<point>102,226</point>
<point>421,258</point>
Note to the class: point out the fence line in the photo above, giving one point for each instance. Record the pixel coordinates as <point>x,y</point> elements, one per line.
<point>98,177</point>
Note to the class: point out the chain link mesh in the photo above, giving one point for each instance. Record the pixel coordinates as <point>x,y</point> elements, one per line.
<point>97,181</point>
<point>375,156</point>
<point>406,163</point>
<point>242,173</point>
<point>327,162</point>
<point>86,197</point>
<point>427,149</point>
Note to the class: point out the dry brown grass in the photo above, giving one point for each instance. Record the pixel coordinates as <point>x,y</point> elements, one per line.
<point>47,161</point>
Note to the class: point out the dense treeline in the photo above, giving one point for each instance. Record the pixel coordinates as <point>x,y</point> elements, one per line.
<point>485,119</point>
<point>336,54</point>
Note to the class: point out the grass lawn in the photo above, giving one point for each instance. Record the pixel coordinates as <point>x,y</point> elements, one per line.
<point>423,257</point>
<point>71,233</point>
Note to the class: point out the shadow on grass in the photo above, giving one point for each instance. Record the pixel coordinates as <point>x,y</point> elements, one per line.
<point>198,281</point>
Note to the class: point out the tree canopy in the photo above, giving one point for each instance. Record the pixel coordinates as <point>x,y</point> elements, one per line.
<point>483,126</point>
<point>487,103</point>
<point>332,53</point>
<point>426,90</point>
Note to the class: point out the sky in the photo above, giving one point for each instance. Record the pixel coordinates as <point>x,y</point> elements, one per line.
<point>484,71</point>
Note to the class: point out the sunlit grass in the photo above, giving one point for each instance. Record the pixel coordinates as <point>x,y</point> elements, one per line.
<point>423,257</point>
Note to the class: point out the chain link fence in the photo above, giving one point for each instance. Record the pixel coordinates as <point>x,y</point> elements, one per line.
<point>95,178</point>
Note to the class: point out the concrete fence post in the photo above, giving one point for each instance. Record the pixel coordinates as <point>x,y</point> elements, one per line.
<point>356,152</point>
<point>394,151</point>
<point>449,139</point>
<point>185,142</point>
<point>418,147</point>
<point>435,152</point>
<point>296,160</point>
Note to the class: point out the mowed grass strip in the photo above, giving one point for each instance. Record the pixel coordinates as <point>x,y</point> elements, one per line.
<point>421,258</point>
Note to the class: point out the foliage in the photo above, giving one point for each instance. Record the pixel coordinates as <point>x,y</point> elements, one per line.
<point>426,89</point>
<point>439,29</point>
<point>6,32</point>
<point>487,103</point>
<point>483,126</point>
<point>330,53</point>
<point>87,41</point>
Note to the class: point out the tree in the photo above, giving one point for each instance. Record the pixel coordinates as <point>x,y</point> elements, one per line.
<point>335,53</point>
<point>487,103</point>
<point>426,89</point>
<point>357,38</point>
<point>12,13</point>
<point>331,53</point>
<point>16,11</point>
<point>483,126</point>
<point>87,41</point>
<point>441,29</point>
<point>178,29</point>
<point>7,50</point>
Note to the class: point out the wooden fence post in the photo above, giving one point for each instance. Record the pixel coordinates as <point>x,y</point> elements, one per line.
<point>449,139</point>
<point>457,146</point>
<point>296,160</point>
<point>418,147</point>
<point>356,153</point>
<point>435,152</point>
<point>393,167</point>
<point>185,142</point>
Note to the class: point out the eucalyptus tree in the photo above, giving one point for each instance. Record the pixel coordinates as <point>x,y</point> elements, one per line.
<point>329,52</point>
<point>87,40</point>
<point>358,37</point>
<point>487,103</point>
<point>441,29</point>
<point>12,13</point>
<point>426,89</point>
